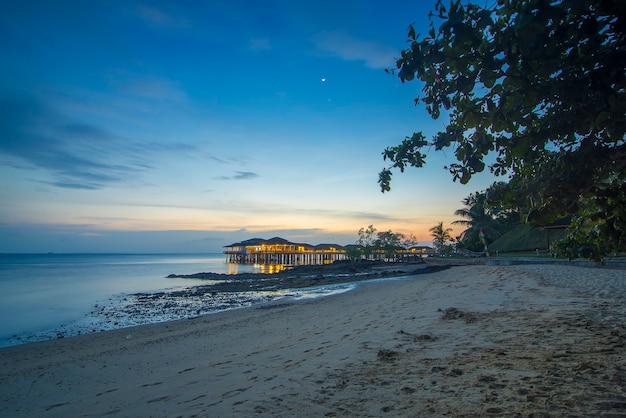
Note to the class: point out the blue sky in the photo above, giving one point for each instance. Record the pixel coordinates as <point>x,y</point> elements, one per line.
<point>184,126</point>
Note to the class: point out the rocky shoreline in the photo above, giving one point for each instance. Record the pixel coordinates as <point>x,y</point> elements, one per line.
<point>300,277</point>
<point>228,291</point>
<point>224,292</point>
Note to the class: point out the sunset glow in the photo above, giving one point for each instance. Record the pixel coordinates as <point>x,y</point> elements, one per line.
<point>187,127</point>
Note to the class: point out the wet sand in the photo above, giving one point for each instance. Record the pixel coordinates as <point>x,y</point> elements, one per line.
<point>528,340</point>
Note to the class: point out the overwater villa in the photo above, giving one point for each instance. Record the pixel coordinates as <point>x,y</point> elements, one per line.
<point>416,253</point>
<point>280,251</point>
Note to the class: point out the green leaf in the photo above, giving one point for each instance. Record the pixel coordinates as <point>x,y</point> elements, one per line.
<point>488,81</point>
<point>602,117</point>
<point>384,180</point>
<point>412,32</point>
<point>476,164</point>
<point>470,119</point>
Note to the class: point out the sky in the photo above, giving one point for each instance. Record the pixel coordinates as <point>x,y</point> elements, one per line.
<point>185,126</point>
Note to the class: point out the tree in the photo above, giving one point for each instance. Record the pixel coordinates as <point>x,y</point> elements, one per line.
<point>353,255</point>
<point>409,241</point>
<point>367,240</point>
<point>514,199</point>
<point>541,84</point>
<point>477,216</point>
<point>441,237</point>
<point>389,243</point>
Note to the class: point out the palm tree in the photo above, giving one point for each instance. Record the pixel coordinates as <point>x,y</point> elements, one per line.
<point>477,217</point>
<point>441,236</point>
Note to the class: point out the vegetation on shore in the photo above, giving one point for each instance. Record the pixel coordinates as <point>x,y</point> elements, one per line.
<point>540,86</point>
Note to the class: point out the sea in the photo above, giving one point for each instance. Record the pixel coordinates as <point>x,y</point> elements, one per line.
<point>45,296</point>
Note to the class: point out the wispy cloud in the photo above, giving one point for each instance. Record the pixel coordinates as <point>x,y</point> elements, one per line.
<point>226,161</point>
<point>77,155</point>
<point>127,98</point>
<point>89,238</point>
<point>274,208</point>
<point>239,175</point>
<point>259,44</point>
<point>153,88</point>
<point>348,214</point>
<point>244,175</point>
<point>161,18</point>
<point>374,54</point>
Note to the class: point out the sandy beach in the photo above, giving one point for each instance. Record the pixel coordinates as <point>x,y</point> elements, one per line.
<point>515,341</point>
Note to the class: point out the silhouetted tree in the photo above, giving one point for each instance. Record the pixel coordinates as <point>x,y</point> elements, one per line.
<point>389,243</point>
<point>367,240</point>
<point>477,216</point>
<point>542,85</point>
<point>441,237</point>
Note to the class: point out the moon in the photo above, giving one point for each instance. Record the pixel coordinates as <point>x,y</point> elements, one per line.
<point>323,79</point>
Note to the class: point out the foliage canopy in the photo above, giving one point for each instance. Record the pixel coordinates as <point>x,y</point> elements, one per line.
<point>542,85</point>
<point>476,217</point>
<point>389,243</point>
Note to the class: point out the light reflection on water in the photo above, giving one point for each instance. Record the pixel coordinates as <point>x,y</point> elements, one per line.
<point>271,268</point>
<point>236,268</point>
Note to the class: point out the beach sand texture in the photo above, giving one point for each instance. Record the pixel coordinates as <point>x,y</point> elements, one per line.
<point>527,340</point>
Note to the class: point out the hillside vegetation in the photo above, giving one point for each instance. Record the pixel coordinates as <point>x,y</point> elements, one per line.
<point>526,238</point>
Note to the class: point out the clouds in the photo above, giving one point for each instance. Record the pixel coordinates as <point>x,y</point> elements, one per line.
<point>74,154</point>
<point>158,17</point>
<point>375,54</point>
<point>259,44</point>
<point>210,116</point>
<point>35,134</point>
<point>244,175</point>
<point>42,238</point>
<point>239,175</point>
<point>153,88</point>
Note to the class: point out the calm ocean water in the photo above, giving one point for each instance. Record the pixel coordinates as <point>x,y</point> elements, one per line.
<point>44,296</point>
<point>42,293</point>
